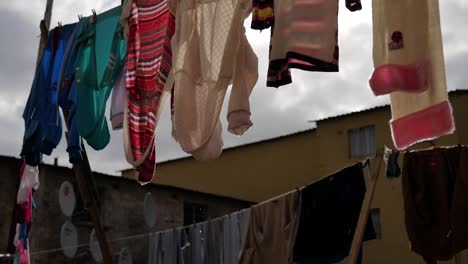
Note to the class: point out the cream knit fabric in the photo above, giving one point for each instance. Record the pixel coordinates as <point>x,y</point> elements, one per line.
<point>419,22</point>
<point>210,52</point>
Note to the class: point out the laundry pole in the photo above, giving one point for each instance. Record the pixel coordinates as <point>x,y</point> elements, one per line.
<point>376,165</point>
<point>82,169</point>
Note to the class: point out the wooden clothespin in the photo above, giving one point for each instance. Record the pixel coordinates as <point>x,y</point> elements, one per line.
<point>94,15</point>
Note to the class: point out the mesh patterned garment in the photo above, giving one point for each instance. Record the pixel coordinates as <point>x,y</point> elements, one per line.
<point>149,58</point>
<point>210,52</point>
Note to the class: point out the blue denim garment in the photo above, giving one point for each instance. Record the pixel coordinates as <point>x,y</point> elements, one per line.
<point>67,99</point>
<point>43,126</point>
<point>53,126</point>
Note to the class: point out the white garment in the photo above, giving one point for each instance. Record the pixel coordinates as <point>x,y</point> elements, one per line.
<point>119,94</point>
<point>209,52</point>
<point>29,180</point>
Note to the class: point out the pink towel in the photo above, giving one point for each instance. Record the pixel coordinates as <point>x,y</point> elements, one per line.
<point>409,62</point>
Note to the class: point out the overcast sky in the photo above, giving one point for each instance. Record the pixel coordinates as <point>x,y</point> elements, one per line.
<point>275,112</point>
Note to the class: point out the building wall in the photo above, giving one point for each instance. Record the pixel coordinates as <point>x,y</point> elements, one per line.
<point>9,180</point>
<point>262,170</point>
<point>122,212</point>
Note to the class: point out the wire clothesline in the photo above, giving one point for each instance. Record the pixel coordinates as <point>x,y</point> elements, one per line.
<point>364,163</point>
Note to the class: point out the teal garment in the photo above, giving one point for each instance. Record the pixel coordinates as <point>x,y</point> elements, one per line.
<point>106,29</point>
<point>99,45</point>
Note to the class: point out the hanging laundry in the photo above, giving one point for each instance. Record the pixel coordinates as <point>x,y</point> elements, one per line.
<point>330,210</point>
<point>271,231</point>
<point>393,169</point>
<point>183,245</point>
<point>436,201</point>
<point>198,245</point>
<point>100,60</point>
<point>154,248</point>
<point>235,230</point>
<point>23,212</point>
<point>149,60</point>
<point>409,65</point>
<point>169,246</point>
<point>263,15</point>
<point>214,241</point>
<point>207,59</point>
<point>29,180</point>
<point>311,28</point>
<point>67,94</point>
<point>43,126</point>
<point>125,17</point>
<point>119,95</point>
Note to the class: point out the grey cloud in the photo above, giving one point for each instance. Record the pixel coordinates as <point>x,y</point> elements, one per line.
<point>274,112</point>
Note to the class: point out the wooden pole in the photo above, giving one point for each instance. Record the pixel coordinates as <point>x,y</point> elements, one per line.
<point>84,179</point>
<point>376,164</point>
<point>82,169</point>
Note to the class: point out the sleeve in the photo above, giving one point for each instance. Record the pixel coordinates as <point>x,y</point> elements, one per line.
<point>245,78</point>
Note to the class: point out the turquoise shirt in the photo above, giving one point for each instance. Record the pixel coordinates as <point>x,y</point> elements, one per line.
<point>100,60</point>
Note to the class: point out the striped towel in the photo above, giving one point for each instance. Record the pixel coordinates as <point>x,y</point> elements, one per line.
<point>149,58</point>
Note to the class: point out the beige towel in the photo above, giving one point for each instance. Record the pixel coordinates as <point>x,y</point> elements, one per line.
<point>415,116</point>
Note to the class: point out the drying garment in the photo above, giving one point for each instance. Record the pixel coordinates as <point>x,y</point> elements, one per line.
<point>210,52</point>
<point>29,180</point>
<point>393,169</point>
<point>311,31</point>
<point>43,125</point>
<point>330,210</point>
<point>169,246</point>
<point>435,195</point>
<point>22,253</point>
<point>183,245</point>
<point>125,17</point>
<point>263,15</point>
<point>149,61</point>
<point>119,95</point>
<point>235,229</point>
<point>100,60</point>
<point>67,94</point>
<point>198,245</point>
<point>155,248</point>
<point>409,63</point>
<point>214,241</point>
<point>272,231</point>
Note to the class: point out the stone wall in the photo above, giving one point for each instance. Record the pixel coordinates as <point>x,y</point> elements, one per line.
<point>121,212</point>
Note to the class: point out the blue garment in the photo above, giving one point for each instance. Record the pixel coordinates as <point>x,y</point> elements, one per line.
<point>43,126</point>
<point>68,99</point>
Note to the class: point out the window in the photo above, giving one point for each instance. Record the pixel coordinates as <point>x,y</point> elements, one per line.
<point>194,213</point>
<point>362,142</point>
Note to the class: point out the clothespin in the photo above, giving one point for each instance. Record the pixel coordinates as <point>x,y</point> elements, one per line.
<point>60,25</point>
<point>80,16</point>
<point>94,15</point>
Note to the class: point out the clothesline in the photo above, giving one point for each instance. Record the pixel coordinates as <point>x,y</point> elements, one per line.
<point>145,235</point>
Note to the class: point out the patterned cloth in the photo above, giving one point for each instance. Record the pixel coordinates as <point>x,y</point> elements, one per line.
<point>149,61</point>
<point>313,38</point>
